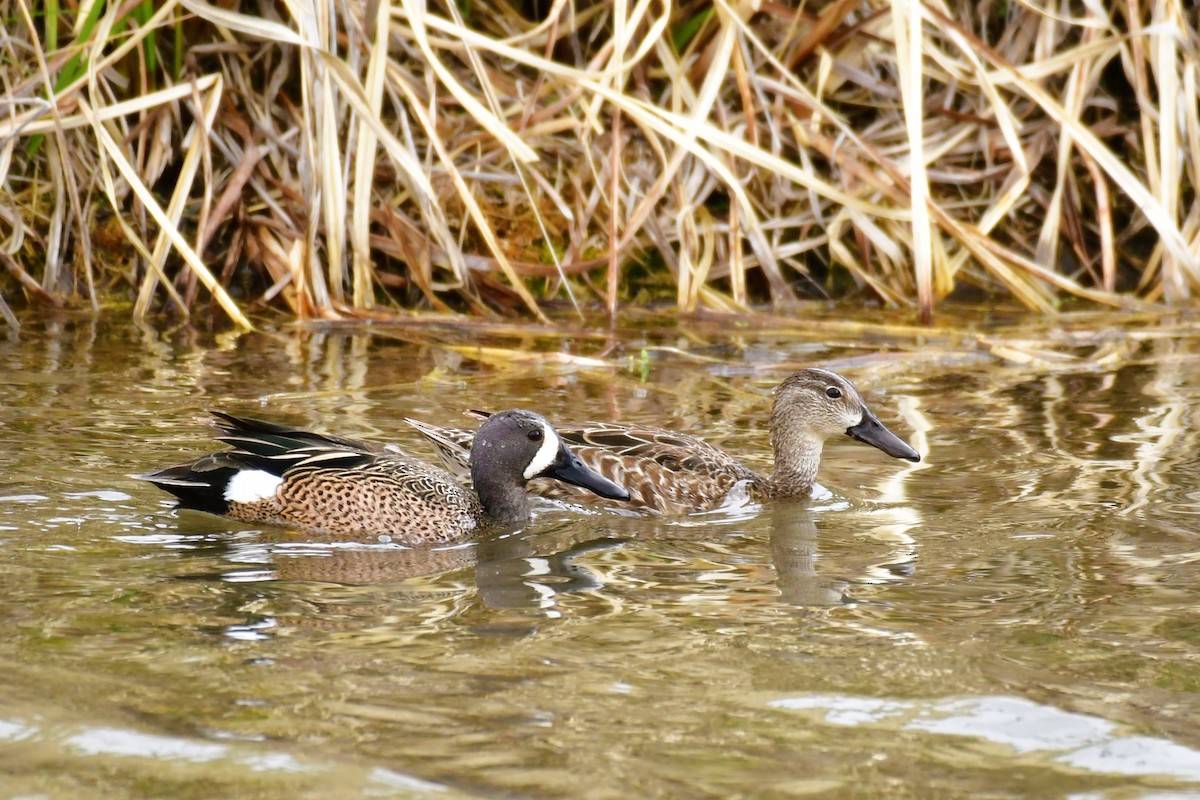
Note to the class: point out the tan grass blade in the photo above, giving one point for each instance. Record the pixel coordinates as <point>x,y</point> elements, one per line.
<point>519,164</point>
<point>194,144</point>
<point>1079,85</point>
<point>1006,119</point>
<point>416,15</point>
<point>614,214</point>
<point>1138,193</point>
<point>56,232</point>
<point>32,125</point>
<point>906,25</point>
<point>14,324</point>
<point>1108,251</point>
<point>676,127</point>
<point>148,200</point>
<point>364,159</point>
<point>473,210</point>
<point>352,92</point>
<point>1165,63</point>
<point>333,189</point>
<point>65,178</point>
<point>100,62</point>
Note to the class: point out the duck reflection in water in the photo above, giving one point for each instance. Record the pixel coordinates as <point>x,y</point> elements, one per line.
<point>523,571</point>
<point>511,571</point>
<point>795,554</point>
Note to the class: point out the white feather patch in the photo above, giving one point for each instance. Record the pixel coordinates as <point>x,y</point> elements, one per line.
<point>545,455</point>
<point>251,485</point>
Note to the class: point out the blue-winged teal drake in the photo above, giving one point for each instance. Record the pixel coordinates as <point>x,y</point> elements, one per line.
<point>674,473</point>
<point>279,475</point>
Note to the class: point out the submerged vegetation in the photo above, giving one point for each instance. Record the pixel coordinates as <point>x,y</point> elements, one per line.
<point>358,159</point>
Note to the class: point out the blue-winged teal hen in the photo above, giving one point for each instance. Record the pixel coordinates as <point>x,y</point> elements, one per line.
<point>279,475</point>
<point>674,473</point>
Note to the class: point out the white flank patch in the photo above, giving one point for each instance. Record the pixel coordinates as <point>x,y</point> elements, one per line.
<point>251,485</point>
<point>545,455</point>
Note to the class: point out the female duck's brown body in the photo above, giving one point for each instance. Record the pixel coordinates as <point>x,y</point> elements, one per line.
<point>674,473</point>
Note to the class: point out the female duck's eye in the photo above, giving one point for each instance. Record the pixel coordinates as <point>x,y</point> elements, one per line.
<point>534,435</point>
<point>833,392</point>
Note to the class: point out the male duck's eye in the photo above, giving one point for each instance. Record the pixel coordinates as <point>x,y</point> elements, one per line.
<point>833,392</point>
<point>534,436</point>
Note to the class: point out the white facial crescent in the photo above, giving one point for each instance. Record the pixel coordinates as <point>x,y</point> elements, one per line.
<point>545,455</point>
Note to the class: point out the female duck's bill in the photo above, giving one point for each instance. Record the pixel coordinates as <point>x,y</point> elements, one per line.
<point>873,432</point>
<point>279,475</point>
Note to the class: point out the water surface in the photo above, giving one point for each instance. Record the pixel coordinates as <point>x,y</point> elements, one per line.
<point>1015,616</point>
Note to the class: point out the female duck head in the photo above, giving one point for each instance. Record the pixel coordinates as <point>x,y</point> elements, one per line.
<point>810,406</point>
<point>817,404</point>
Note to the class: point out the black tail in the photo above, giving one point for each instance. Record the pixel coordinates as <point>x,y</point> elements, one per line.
<point>199,484</point>
<point>256,445</point>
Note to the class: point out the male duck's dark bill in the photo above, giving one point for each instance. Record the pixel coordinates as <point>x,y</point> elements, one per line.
<point>873,432</point>
<point>569,468</point>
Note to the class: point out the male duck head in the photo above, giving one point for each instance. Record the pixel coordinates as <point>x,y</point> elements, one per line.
<point>522,443</point>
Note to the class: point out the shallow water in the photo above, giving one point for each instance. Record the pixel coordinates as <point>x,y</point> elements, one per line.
<point>1015,616</point>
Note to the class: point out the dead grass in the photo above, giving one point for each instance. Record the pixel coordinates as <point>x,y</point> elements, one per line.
<point>370,159</point>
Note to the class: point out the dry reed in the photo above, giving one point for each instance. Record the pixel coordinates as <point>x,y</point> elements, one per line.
<point>362,159</point>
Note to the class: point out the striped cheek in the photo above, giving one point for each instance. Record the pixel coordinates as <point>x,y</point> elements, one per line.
<point>546,454</point>
<point>251,485</point>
